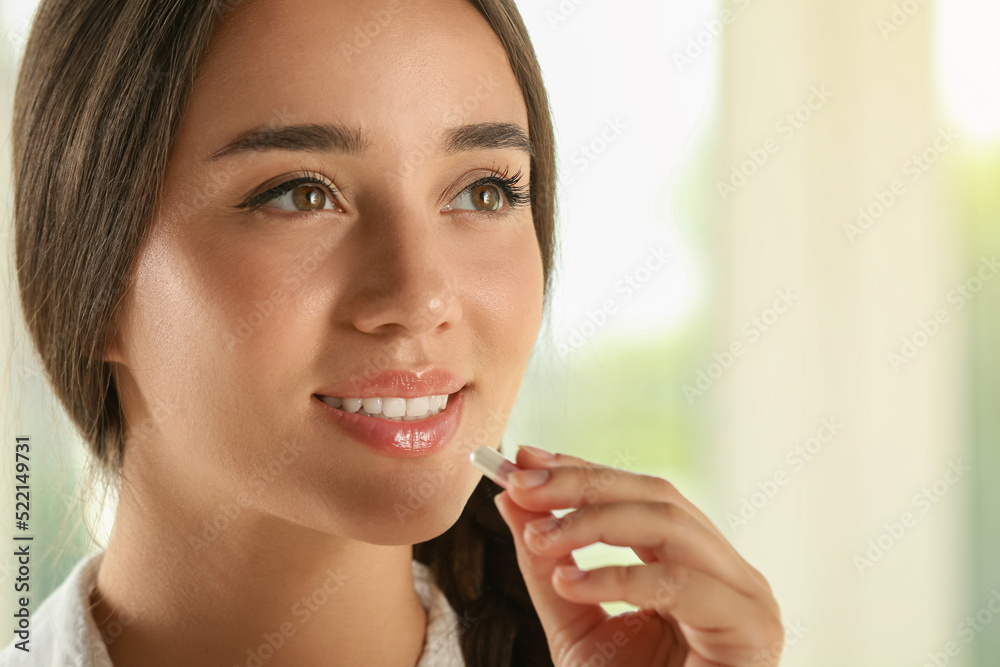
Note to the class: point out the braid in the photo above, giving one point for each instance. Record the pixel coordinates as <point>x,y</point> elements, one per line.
<point>475,566</point>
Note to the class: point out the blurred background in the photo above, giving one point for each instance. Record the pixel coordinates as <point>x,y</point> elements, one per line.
<point>778,283</point>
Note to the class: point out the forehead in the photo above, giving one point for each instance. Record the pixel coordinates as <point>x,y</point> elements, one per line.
<point>402,70</point>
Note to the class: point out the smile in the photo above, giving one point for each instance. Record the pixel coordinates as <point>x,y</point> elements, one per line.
<point>403,435</point>
<point>390,407</point>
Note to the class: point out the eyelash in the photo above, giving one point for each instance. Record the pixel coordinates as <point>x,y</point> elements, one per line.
<point>516,193</point>
<point>311,178</point>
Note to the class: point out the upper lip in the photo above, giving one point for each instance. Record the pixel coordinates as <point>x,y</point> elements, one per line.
<point>399,383</point>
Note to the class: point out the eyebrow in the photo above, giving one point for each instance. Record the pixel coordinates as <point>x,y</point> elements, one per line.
<point>333,138</point>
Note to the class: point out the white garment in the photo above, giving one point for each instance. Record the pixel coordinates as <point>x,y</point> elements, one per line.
<point>64,634</point>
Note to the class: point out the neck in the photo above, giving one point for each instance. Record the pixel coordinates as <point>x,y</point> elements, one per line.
<point>180,584</point>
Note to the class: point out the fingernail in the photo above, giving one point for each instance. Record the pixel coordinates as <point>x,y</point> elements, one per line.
<point>544,526</point>
<point>570,573</point>
<point>539,452</point>
<point>527,479</point>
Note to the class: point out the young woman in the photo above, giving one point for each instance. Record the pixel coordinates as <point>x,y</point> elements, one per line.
<point>285,262</point>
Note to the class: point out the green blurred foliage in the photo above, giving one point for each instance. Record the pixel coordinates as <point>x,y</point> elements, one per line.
<point>975,184</point>
<point>618,401</point>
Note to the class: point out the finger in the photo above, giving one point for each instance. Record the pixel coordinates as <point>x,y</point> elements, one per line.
<point>665,529</point>
<point>535,457</point>
<point>669,590</point>
<point>582,482</point>
<point>562,619</point>
<point>720,625</point>
<point>576,486</point>
<point>596,483</point>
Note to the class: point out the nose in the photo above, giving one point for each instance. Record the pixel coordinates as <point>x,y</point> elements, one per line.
<point>406,280</point>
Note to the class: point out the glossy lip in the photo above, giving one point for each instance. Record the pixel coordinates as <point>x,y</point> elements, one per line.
<point>420,437</point>
<point>399,383</point>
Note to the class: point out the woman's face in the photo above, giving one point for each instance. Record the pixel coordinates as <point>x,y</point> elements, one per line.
<point>383,259</point>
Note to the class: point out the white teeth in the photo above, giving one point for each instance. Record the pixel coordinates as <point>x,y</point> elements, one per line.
<point>394,408</point>
<point>415,407</point>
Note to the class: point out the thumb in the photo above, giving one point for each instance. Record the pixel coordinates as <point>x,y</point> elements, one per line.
<point>555,612</point>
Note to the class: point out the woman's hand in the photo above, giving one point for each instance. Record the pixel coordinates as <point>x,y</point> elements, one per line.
<point>700,603</point>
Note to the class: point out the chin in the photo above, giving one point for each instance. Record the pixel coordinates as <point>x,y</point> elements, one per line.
<point>415,526</point>
<point>386,513</point>
<point>412,518</point>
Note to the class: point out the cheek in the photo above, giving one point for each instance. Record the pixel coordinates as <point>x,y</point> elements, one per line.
<point>169,334</point>
<point>211,325</point>
<point>235,292</point>
<point>507,312</point>
<point>524,282</point>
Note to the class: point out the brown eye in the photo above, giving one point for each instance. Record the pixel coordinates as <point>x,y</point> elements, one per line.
<point>308,198</point>
<point>487,197</point>
<point>484,197</point>
<point>299,195</point>
<point>495,193</point>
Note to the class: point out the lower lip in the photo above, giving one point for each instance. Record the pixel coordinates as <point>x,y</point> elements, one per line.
<point>420,437</point>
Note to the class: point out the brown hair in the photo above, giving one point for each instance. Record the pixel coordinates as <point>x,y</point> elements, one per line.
<point>99,98</point>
